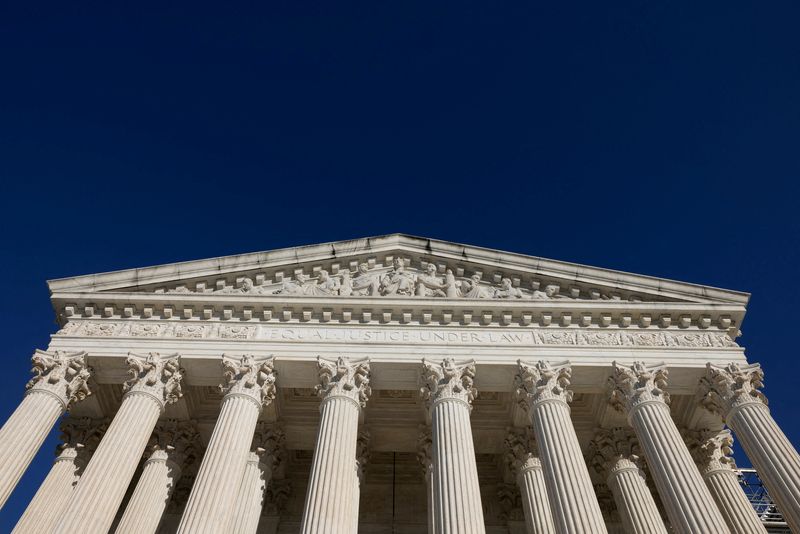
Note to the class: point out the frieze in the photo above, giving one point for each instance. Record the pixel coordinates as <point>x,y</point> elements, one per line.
<point>532,336</point>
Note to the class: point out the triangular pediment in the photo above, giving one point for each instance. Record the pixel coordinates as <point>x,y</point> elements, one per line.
<point>396,265</point>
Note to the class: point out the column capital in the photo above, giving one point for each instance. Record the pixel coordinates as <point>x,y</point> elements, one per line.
<point>615,450</point>
<point>248,377</point>
<point>725,389</point>
<point>174,441</point>
<point>711,450</point>
<point>62,375</point>
<point>269,440</point>
<point>155,375</point>
<point>638,384</point>
<point>344,378</point>
<point>80,436</point>
<point>541,382</point>
<point>522,453</point>
<point>448,380</point>
<point>425,450</point>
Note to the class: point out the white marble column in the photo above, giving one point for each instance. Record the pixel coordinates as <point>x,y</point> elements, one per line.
<point>615,456</point>
<point>522,458</point>
<point>59,380</point>
<point>79,439</point>
<point>264,458</point>
<point>171,450</point>
<point>712,450</point>
<point>733,392</point>
<point>344,389</point>
<point>638,391</point>
<point>249,385</point>
<point>448,390</point>
<point>155,382</point>
<point>543,388</point>
<point>425,458</point>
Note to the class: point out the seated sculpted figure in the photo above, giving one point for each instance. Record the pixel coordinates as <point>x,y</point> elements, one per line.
<point>472,288</point>
<point>507,290</point>
<point>550,292</point>
<point>397,281</point>
<point>295,288</point>
<point>325,286</point>
<point>365,283</point>
<point>428,284</point>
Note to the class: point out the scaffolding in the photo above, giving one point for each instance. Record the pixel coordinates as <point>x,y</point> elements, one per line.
<point>761,502</point>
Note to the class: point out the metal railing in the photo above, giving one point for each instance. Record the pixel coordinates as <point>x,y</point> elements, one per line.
<point>761,501</point>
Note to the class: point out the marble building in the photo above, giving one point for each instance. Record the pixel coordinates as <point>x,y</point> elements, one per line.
<point>394,385</point>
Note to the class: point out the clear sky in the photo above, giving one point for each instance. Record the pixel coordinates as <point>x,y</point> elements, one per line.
<point>653,137</point>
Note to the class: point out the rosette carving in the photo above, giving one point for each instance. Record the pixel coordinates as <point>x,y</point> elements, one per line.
<point>448,380</point>
<point>63,375</point>
<point>249,377</point>
<point>726,388</point>
<point>630,387</point>
<point>344,378</point>
<point>542,382</point>
<point>156,375</point>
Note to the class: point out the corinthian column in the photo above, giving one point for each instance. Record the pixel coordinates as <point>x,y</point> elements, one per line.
<point>712,452</point>
<point>362,458</point>
<point>522,458</point>
<point>639,392</point>
<point>172,448</point>
<point>424,455</point>
<point>733,393</point>
<point>249,385</point>
<point>263,460</point>
<point>155,382</point>
<point>59,380</point>
<point>615,456</point>
<point>344,389</point>
<point>543,389</point>
<point>79,438</point>
<point>448,390</point>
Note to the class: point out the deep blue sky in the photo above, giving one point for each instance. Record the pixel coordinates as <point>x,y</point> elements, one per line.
<point>653,137</point>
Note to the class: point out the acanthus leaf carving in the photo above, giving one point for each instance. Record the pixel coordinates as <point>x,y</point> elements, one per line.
<point>156,375</point>
<point>363,453</point>
<point>613,450</point>
<point>249,377</point>
<point>712,450</point>
<point>344,378</point>
<point>542,382</point>
<point>522,453</point>
<point>632,386</point>
<point>425,450</point>
<point>63,375</point>
<point>725,389</point>
<point>79,437</point>
<point>448,380</point>
<point>175,442</point>
<point>269,441</point>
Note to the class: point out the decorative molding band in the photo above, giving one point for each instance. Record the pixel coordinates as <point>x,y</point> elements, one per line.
<point>532,336</point>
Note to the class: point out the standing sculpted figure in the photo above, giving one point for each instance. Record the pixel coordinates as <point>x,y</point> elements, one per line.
<point>428,284</point>
<point>450,285</point>
<point>346,284</point>
<point>365,283</point>
<point>397,281</point>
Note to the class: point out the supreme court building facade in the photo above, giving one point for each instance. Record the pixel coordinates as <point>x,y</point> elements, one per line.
<point>394,385</point>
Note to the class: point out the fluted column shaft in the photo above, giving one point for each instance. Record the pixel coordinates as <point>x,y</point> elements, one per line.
<point>80,437</point>
<point>155,382</point>
<point>456,490</point>
<point>344,390</point>
<point>250,499</point>
<point>60,380</point>
<point>732,391</point>
<point>688,503</point>
<point>733,503</point>
<point>532,487</point>
<point>249,385</point>
<point>53,495</point>
<point>635,503</point>
<point>569,487</point>
<point>328,507</point>
<point>150,498</point>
